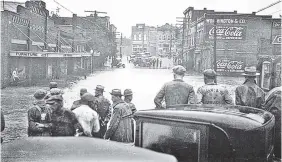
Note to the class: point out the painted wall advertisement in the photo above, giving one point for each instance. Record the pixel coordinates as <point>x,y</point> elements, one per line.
<point>234,32</point>
<point>230,65</point>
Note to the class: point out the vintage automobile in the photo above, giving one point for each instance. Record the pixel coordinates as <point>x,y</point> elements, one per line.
<point>76,149</point>
<point>118,63</point>
<point>194,133</point>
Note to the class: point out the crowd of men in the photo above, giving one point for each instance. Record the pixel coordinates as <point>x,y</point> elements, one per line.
<point>91,115</point>
<point>177,92</point>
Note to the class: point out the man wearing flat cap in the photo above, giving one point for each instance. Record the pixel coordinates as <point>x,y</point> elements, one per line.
<point>39,116</point>
<point>103,109</point>
<point>250,94</point>
<point>52,85</point>
<point>120,126</point>
<point>86,116</point>
<point>64,121</point>
<point>175,92</point>
<point>77,103</point>
<point>211,92</point>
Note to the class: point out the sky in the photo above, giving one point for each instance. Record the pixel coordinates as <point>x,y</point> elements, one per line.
<point>126,13</point>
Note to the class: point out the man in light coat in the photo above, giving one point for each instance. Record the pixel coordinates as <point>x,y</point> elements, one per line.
<point>213,93</point>
<point>87,118</point>
<point>175,92</point>
<point>120,126</point>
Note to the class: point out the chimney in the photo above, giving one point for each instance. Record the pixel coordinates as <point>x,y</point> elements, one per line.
<point>205,8</point>
<point>253,13</point>
<point>235,11</point>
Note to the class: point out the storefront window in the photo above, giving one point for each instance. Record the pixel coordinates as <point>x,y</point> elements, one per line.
<point>182,142</point>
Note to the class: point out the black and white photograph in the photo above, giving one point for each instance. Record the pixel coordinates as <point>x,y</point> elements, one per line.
<point>141,80</point>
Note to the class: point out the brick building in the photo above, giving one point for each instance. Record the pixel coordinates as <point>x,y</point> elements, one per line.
<point>140,38</point>
<point>240,39</point>
<point>166,41</point>
<point>33,46</point>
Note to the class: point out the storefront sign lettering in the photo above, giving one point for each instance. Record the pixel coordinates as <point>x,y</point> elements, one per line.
<point>276,24</point>
<point>227,32</point>
<point>226,65</point>
<point>277,39</point>
<point>227,21</point>
<point>36,54</point>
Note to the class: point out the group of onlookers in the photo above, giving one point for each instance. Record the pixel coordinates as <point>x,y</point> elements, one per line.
<point>91,115</point>
<point>177,92</point>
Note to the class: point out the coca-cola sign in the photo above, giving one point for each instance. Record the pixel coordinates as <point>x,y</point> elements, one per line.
<point>227,32</point>
<point>229,65</point>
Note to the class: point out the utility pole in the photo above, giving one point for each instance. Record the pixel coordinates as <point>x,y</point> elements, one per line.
<point>120,45</point>
<point>170,43</point>
<point>143,38</point>
<point>183,21</point>
<point>214,46</point>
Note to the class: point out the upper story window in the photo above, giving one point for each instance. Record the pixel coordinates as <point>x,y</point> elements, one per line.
<point>134,37</point>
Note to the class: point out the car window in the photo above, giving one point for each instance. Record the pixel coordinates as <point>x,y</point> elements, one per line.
<point>180,141</point>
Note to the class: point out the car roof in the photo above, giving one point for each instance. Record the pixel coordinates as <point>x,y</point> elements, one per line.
<point>76,149</point>
<point>236,117</point>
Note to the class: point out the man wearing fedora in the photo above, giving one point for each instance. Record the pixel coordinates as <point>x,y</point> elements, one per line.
<point>175,92</point>
<point>120,126</point>
<point>211,92</point>
<point>103,109</point>
<point>250,94</point>
<point>128,96</point>
<point>52,85</point>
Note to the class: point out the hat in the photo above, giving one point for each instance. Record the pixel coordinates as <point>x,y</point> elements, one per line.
<point>87,97</point>
<point>83,91</point>
<point>180,70</point>
<point>100,88</point>
<point>56,91</point>
<point>209,73</point>
<point>40,94</point>
<point>127,92</point>
<point>116,92</point>
<point>251,71</point>
<point>53,85</point>
<point>54,98</point>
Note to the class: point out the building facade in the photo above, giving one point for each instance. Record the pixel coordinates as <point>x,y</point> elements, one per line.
<point>240,40</point>
<point>166,42</point>
<point>36,46</point>
<point>139,37</point>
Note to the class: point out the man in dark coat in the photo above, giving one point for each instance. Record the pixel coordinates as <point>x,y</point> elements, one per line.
<point>211,92</point>
<point>103,109</point>
<point>250,94</point>
<point>128,96</point>
<point>175,92</point>
<point>39,116</point>
<point>64,121</point>
<point>120,128</point>
<point>273,105</point>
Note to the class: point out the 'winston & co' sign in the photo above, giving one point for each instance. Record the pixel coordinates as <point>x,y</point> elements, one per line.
<point>227,32</point>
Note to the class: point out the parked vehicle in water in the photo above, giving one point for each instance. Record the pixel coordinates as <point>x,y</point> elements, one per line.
<point>118,63</point>
<point>203,133</point>
<point>78,149</point>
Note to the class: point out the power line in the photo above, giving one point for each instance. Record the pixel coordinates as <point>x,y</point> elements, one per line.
<point>275,12</point>
<point>25,35</point>
<point>81,17</point>
<point>268,6</point>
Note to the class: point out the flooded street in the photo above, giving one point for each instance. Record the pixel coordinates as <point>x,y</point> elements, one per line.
<point>145,84</point>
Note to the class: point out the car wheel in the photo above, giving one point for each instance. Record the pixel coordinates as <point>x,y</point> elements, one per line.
<point>123,66</point>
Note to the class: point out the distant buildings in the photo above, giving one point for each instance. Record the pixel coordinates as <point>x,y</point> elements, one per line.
<point>156,40</point>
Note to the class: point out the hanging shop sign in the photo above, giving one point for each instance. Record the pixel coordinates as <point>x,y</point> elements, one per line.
<point>227,32</point>
<point>44,54</point>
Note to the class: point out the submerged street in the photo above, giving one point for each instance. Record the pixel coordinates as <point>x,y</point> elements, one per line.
<point>145,83</point>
